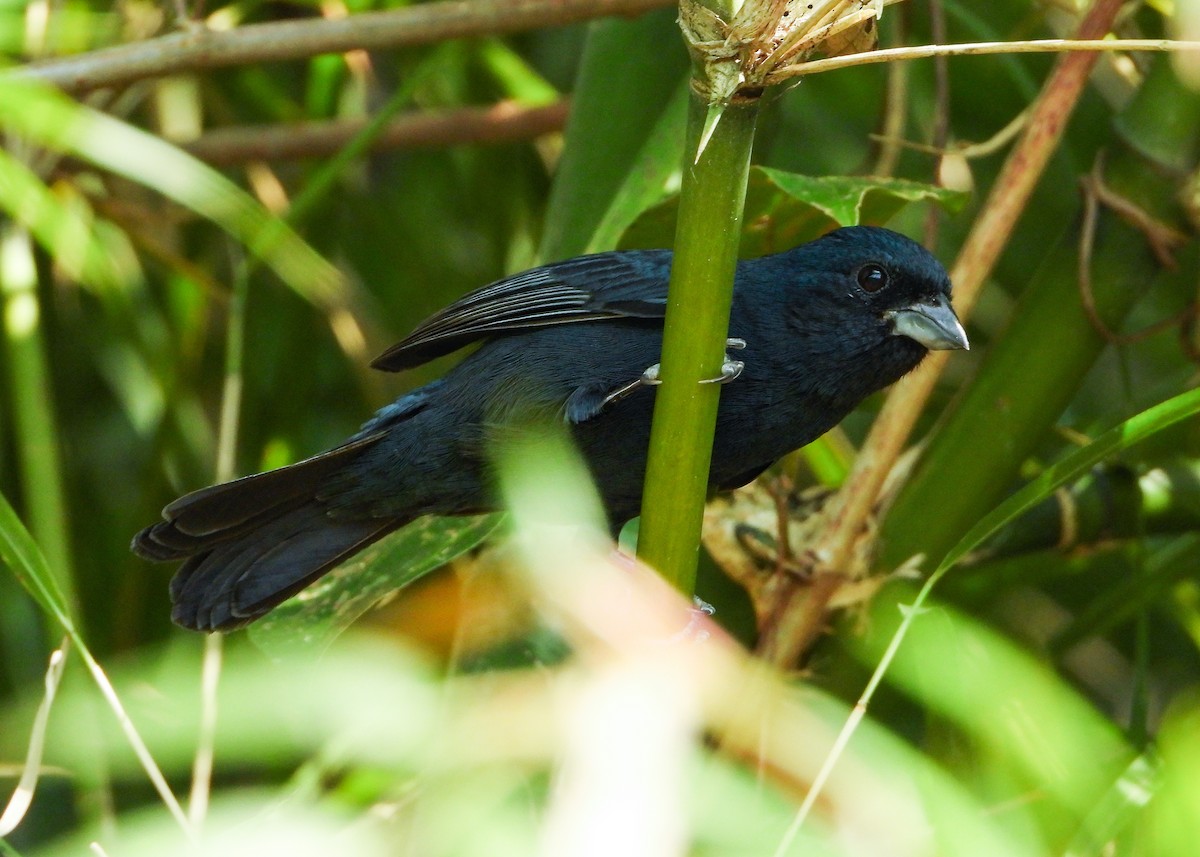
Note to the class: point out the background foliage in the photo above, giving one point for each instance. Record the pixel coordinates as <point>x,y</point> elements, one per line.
<point>167,321</point>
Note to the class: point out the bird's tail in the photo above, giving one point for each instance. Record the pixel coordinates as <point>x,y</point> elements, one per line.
<point>252,543</point>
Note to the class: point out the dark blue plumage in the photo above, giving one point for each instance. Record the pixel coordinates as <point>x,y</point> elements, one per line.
<point>825,325</point>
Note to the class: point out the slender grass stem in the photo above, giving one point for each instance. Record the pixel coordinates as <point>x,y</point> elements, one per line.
<point>32,409</point>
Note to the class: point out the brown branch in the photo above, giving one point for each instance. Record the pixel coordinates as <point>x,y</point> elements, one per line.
<point>201,48</point>
<point>802,611</point>
<point>501,123</point>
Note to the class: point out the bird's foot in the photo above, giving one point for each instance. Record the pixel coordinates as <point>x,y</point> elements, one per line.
<point>730,368</point>
<point>649,379</point>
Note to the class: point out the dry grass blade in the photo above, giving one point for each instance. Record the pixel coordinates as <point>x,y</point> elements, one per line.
<point>22,796</point>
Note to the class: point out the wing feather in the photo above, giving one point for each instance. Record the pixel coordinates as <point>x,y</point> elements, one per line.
<point>629,284</point>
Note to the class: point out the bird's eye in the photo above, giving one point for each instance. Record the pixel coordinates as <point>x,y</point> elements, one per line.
<point>872,277</point>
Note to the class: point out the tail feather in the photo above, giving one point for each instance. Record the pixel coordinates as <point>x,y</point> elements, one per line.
<point>252,543</point>
<point>222,510</point>
<point>238,581</point>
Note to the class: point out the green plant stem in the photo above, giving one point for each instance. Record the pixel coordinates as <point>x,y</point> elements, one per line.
<point>33,411</point>
<point>697,323</point>
<point>38,452</point>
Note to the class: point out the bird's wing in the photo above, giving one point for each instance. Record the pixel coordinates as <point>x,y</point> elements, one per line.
<point>631,284</point>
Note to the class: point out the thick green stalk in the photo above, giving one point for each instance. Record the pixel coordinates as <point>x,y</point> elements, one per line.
<point>701,290</point>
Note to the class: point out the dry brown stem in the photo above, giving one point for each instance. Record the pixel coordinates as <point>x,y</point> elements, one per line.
<point>500,123</point>
<point>201,48</point>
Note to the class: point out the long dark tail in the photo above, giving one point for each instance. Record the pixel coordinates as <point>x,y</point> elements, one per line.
<point>252,543</point>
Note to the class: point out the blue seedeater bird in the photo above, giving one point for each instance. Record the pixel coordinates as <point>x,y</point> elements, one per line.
<point>818,328</point>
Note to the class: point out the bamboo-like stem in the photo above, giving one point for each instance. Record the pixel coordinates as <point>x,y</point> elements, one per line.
<point>503,122</point>
<point>423,23</point>
<point>800,611</point>
<point>697,323</point>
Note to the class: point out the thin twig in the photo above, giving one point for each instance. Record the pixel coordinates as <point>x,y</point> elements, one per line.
<point>422,23</point>
<point>1162,239</point>
<point>214,646</point>
<point>503,122</point>
<point>941,114</point>
<point>969,151</point>
<point>1032,46</point>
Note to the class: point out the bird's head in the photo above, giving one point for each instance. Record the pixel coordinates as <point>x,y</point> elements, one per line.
<point>873,298</point>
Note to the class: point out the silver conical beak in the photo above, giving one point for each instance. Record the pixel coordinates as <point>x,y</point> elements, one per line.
<point>932,324</point>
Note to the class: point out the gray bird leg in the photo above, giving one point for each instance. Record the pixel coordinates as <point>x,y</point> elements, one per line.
<point>730,369</point>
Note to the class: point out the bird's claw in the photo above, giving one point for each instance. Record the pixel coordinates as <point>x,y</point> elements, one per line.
<point>649,379</point>
<point>730,368</point>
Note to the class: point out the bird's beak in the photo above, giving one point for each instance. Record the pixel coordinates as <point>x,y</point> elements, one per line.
<point>933,324</point>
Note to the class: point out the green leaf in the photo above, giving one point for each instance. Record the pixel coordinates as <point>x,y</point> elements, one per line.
<point>48,118</point>
<point>1118,808</point>
<point>28,564</point>
<point>647,183</point>
<point>620,138</point>
<point>315,617</point>
<point>786,209</point>
<point>1123,436</point>
<point>89,250</point>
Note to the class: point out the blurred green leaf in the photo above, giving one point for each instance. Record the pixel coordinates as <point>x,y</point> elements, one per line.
<point>1048,736</point>
<point>1118,808</point>
<point>28,564</point>
<point>315,617</point>
<point>652,176</point>
<point>87,249</point>
<point>518,78</point>
<point>48,118</point>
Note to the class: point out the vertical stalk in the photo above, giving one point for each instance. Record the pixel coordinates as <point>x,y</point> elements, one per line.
<point>37,441</point>
<point>214,644</point>
<point>697,323</point>
<point>33,411</point>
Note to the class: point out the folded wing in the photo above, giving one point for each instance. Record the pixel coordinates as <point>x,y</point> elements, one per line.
<point>630,284</point>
